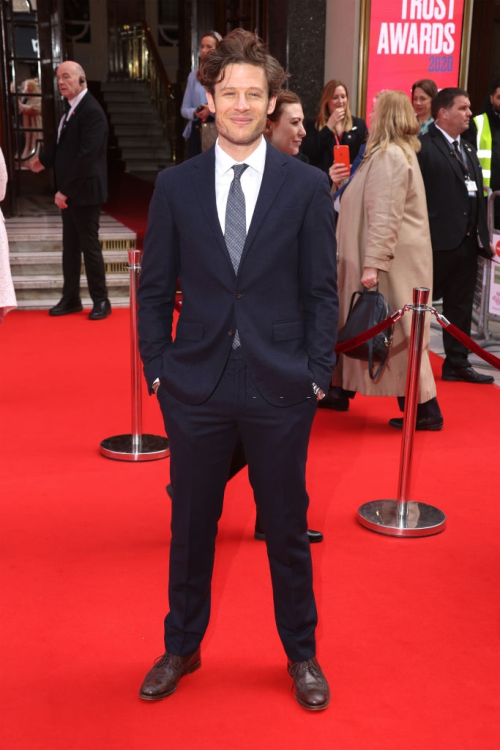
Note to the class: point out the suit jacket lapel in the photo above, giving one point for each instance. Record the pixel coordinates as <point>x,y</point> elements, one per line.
<point>272,181</point>
<point>446,149</point>
<point>472,162</point>
<point>76,112</point>
<point>204,182</point>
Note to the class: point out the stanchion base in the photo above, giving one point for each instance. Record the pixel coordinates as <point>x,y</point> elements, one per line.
<point>130,448</point>
<point>382,516</point>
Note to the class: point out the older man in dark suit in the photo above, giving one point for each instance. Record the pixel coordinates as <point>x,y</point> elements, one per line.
<point>457,219</point>
<point>249,232</point>
<point>80,167</point>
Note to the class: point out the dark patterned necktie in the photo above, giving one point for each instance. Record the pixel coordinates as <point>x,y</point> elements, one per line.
<point>459,155</point>
<point>235,232</point>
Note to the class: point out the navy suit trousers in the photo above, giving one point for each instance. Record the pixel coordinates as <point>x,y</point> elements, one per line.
<point>202,440</point>
<point>455,274</point>
<point>81,236</point>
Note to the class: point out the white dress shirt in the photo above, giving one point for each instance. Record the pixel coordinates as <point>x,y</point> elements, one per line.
<point>251,180</point>
<point>73,103</point>
<point>448,137</point>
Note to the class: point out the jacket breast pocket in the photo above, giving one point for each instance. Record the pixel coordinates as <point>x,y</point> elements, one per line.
<point>285,215</point>
<point>189,330</point>
<point>288,330</point>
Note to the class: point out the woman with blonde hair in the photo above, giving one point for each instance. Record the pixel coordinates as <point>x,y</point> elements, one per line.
<point>384,239</point>
<point>334,125</point>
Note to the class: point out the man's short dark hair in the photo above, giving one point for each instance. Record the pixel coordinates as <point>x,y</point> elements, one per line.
<point>494,86</point>
<point>445,98</point>
<point>241,47</point>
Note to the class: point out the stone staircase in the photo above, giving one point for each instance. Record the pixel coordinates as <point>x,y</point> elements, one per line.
<point>137,126</point>
<point>35,245</point>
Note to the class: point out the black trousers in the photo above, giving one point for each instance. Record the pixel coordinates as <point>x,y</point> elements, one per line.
<point>455,273</point>
<point>202,441</point>
<point>81,236</point>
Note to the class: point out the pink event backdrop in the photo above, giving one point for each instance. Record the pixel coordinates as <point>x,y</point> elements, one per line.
<point>413,39</point>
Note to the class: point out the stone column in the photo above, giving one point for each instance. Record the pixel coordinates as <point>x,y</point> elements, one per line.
<point>299,44</point>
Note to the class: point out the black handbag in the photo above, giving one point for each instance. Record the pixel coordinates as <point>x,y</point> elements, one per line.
<point>370,308</point>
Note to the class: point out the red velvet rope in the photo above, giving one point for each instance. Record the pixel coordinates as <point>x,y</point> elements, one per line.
<point>346,346</point>
<point>471,344</point>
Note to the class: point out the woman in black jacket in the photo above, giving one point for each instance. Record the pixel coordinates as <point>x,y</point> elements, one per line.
<point>334,125</point>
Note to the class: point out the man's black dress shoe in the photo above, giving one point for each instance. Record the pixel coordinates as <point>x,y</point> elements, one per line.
<point>259,534</point>
<point>423,423</point>
<point>314,536</point>
<point>467,375</point>
<point>335,402</point>
<point>66,307</point>
<point>311,687</point>
<point>100,310</point>
<point>162,680</point>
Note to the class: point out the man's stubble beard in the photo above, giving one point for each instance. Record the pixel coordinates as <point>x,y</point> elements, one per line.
<point>231,136</point>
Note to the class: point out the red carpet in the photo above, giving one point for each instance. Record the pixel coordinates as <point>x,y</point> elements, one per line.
<point>128,202</point>
<point>409,629</point>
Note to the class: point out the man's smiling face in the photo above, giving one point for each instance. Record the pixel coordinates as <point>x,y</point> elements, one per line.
<point>241,105</point>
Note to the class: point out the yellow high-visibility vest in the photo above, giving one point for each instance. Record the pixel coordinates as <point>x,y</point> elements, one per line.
<point>484,146</point>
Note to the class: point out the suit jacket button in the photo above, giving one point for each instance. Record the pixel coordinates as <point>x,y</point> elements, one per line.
<point>238,295</point>
<point>230,332</point>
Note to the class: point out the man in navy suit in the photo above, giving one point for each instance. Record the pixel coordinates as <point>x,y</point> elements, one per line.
<point>249,232</point>
<point>79,158</point>
<point>457,220</point>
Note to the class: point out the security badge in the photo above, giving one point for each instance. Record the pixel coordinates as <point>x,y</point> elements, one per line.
<point>470,184</point>
<point>471,188</point>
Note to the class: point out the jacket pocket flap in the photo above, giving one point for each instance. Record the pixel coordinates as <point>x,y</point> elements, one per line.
<point>286,330</point>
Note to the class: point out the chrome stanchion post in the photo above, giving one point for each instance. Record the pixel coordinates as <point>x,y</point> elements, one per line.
<point>136,446</point>
<point>134,259</point>
<point>404,517</point>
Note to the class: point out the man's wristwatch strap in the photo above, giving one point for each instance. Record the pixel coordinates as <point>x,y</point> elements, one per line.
<point>318,392</point>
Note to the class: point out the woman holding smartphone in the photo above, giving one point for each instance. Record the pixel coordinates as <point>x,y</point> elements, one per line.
<point>334,126</point>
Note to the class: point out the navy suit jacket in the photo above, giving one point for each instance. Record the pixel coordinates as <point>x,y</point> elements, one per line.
<point>283,301</point>
<point>80,157</point>
<point>447,199</point>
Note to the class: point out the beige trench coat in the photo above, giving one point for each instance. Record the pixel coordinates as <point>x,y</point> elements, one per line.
<point>383,223</point>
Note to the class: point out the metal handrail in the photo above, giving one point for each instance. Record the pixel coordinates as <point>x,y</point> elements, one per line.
<point>134,55</point>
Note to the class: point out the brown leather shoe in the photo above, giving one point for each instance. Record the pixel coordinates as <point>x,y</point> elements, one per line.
<point>311,687</point>
<point>162,680</point>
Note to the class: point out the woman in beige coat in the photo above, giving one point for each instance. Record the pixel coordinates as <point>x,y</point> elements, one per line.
<point>383,237</point>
